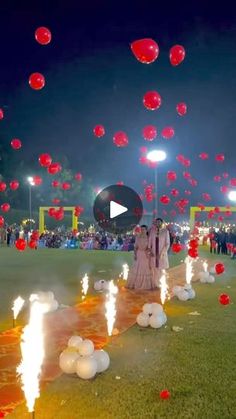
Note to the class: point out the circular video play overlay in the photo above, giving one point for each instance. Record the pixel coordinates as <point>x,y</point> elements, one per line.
<point>117,209</point>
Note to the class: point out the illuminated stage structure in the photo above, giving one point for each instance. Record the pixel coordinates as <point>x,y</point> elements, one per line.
<point>74,224</point>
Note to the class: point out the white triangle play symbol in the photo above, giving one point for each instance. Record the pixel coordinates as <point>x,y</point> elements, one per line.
<point>116,209</point>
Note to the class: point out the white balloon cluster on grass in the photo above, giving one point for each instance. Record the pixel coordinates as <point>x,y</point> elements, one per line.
<point>47,299</point>
<point>101,285</point>
<point>184,293</point>
<point>205,277</point>
<point>82,359</point>
<point>152,315</point>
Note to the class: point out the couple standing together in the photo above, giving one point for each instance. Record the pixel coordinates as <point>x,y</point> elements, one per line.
<point>150,257</point>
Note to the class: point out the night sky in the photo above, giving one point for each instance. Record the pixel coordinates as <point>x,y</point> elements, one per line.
<point>92,77</point>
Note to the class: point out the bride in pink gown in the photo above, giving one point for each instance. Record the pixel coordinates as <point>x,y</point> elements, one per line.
<point>140,275</point>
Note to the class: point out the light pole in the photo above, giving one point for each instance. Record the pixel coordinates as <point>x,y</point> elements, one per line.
<point>31,183</point>
<point>156,156</point>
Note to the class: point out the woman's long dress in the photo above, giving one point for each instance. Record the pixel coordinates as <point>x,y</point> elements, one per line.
<point>159,245</point>
<point>140,275</point>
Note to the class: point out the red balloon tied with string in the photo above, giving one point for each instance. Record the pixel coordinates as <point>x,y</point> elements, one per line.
<point>152,100</point>
<point>145,50</point>
<point>5,207</point>
<point>224,299</point>
<point>16,144</point>
<point>177,55</point>
<point>120,139</point>
<point>36,81</point>
<point>20,244</point>
<point>43,35</point>
<point>219,268</point>
<point>14,185</point>
<point>45,160</point>
<point>168,133</point>
<point>149,132</point>
<point>99,131</point>
<point>181,108</point>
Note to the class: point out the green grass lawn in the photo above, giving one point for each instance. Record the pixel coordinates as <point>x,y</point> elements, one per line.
<point>197,364</point>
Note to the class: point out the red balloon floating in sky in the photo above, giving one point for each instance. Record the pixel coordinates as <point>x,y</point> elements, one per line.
<point>177,55</point>
<point>16,144</point>
<point>78,177</point>
<point>168,132</point>
<point>2,221</point>
<point>45,160</point>
<point>174,192</point>
<point>1,114</point>
<point>152,100</point>
<point>143,150</point>
<point>181,108</point>
<point>145,50</point>
<point>55,184</point>
<point>5,207</point>
<point>232,181</point>
<point>203,156</point>
<point>43,35</point>
<point>120,139</point>
<point>149,132</point>
<point>66,186</point>
<point>36,81</point>
<point>224,299</point>
<point>99,131</point>
<point>14,185</point>
<point>54,168</point>
<point>217,178</point>
<point>164,199</point>
<point>20,244</point>
<point>3,186</point>
<point>219,268</point>
<point>37,180</point>
<point>171,176</point>
<point>220,158</point>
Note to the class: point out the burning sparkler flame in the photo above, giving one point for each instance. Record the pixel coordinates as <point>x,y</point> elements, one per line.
<point>164,287</point>
<point>17,306</point>
<point>32,351</point>
<point>85,285</point>
<point>124,274</point>
<point>110,306</point>
<point>205,266</point>
<point>189,269</point>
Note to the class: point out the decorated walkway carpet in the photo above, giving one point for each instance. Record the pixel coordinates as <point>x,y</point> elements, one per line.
<point>86,319</point>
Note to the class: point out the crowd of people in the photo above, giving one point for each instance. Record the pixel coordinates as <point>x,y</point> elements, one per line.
<point>223,242</point>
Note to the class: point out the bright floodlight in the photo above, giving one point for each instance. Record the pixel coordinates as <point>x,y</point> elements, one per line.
<point>156,155</point>
<point>30,179</point>
<point>232,196</point>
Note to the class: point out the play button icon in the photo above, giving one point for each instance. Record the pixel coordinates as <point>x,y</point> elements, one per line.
<point>118,209</point>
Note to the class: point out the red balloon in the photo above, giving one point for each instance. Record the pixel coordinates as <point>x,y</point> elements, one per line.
<point>36,81</point>
<point>56,201</point>
<point>225,175</point>
<point>43,35</point>
<point>224,299</point>
<point>2,221</point>
<point>186,175</point>
<point>45,160</point>
<point>51,212</point>
<point>186,163</point>
<point>78,177</point>
<point>152,100</point>
<point>145,50</point>
<point>149,132</point>
<point>171,176</point>
<point>216,210</point>
<point>217,178</point>
<point>143,150</point>
<point>5,207</point>
<point>99,131</point>
<point>220,157</point>
<point>174,192</point>
<point>181,108</point>
<point>1,114</point>
<point>20,244</point>
<point>193,243</point>
<point>177,55</point>
<point>176,247</point>
<point>224,189</point>
<point>143,160</point>
<point>168,132</point>
<point>193,253</point>
<point>14,185</point>
<point>206,197</point>
<point>219,268</point>
<point>35,235</point>
<point>37,180</point>
<point>54,168</point>
<point>55,184</point>
<point>120,139</point>
<point>187,192</point>
<point>164,199</point>
<point>59,215</point>
<point>120,183</point>
<point>165,394</point>
<point>16,143</point>
<point>180,158</point>
<point>232,181</point>
<point>3,186</point>
<point>32,244</point>
<point>203,156</point>
<point>66,186</point>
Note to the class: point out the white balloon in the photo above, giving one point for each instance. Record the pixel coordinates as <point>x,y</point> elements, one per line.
<point>191,294</point>
<point>210,279</point>
<point>86,347</point>
<point>203,276</point>
<point>86,367</point>
<point>142,319</point>
<point>75,341</point>
<point>53,305</point>
<point>101,285</point>
<point>212,270</point>
<point>176,289</point>
<point>183,295</point>
<point>156,321</point>
<point>103,360</point>
<point>157,308</point>
<point>164,318</point>
<point>68,361</point>
<point>147,308</point>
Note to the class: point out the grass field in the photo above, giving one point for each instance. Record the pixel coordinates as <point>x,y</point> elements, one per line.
<point>197,364</point>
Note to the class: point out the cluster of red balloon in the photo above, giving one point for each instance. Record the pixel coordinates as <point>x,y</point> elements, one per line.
<point>193,248</point>
<point>78,211</point>
<point>149,193</point>
<point>183,160</point>
<point>33,239</point>
<point>57,214</point>
<point>43,36</point>
<point>146,51</point>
